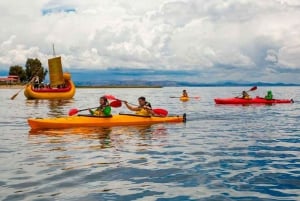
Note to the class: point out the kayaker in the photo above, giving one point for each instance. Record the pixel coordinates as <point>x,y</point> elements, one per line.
<point>245,95</point>
<point>144,108</point>
<point>269,95</point>
<point>184,93</point>
<point>103,110</point>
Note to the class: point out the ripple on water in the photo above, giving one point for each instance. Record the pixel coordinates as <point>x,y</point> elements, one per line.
<point>220,153</point>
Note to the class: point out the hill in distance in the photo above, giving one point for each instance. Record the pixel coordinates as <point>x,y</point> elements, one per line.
<point>148,77</point>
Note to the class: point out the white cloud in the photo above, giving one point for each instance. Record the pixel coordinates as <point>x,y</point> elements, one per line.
<point>290,56</point>
<point>224,37</point>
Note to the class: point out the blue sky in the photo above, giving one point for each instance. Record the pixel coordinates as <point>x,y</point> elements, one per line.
<point>210,41</point>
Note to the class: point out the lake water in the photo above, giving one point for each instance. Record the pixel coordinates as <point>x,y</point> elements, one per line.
<point>220,153</point>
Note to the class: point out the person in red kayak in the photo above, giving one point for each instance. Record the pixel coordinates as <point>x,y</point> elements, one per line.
<point>245,95</point>
<point>144,108</point>
<point>103,110</point>
<point>269,95</point>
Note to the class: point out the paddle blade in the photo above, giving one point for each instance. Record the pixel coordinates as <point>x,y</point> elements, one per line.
<point>160,112</point>
<point>73,111</point>
<point>116,103</point>
<point>253,88</point>
<point>14,96</point>
<point>110,97</point>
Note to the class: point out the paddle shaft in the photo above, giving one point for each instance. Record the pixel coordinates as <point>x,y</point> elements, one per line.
<point>75,111</point>
<point>252,89</point>
<point>87,109</point>
<point>184,96</point>
<point>16,94</point>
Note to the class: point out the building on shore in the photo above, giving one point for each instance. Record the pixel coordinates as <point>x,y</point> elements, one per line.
<point>10,80</point>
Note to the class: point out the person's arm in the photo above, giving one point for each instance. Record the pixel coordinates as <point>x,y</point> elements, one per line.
<point>149,109</point>
<point>151,112</point>
<point>91,111</point>
<point>95,112</point>
<point>131,107</point>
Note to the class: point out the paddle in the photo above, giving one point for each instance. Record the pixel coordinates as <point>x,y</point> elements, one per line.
<point>252,89</point>
<point>160,112</point>
<point>116,103</point>
<point>196,97</point>
<point>74,111</point>
<point>110,97</point>
<point>157,111</point>
<point>15,95</point>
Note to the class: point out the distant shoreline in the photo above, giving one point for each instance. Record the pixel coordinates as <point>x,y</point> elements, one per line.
<point>118,86</point>
<point>16,86</point>
<point>144,86</point>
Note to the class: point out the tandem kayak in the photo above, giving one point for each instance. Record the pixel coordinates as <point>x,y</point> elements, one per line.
<point>96,121</point>
<point>256,100</point>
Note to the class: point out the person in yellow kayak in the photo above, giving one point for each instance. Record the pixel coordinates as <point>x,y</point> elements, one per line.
<point>184,94</point>
<point>144,108</point>
<point>245,95</point>
<point>269,95</point>
<point>104,108</point>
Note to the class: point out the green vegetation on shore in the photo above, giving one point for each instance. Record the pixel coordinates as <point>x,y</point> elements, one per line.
<point>33,67</point>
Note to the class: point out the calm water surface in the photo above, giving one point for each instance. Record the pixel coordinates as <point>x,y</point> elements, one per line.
<point>220,153</point>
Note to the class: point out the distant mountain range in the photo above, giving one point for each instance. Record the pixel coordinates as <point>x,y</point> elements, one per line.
<point>167,83</point>
<point>148,77</point>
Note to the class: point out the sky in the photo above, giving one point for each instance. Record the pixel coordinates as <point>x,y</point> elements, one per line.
<point>215,40</point>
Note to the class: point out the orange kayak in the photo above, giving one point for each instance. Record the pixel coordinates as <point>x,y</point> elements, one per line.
<point>96,121</point>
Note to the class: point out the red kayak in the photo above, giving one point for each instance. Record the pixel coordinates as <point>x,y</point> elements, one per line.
<point>256,100</point>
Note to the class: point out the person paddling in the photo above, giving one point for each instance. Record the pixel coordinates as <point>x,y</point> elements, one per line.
<point>184,93</point>
<point>245,95</point>
<point>36,82</point>
<point>144,108</point>
<point>269,95</point>
<point>103,110</point>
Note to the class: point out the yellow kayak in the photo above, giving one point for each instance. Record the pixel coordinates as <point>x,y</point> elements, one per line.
<point>96,121</point>
<point>184,98</point>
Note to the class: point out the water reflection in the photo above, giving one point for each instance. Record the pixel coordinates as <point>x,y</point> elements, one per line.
<point>107,136</point>
<point>56,107</point>
<point>93,146</point>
